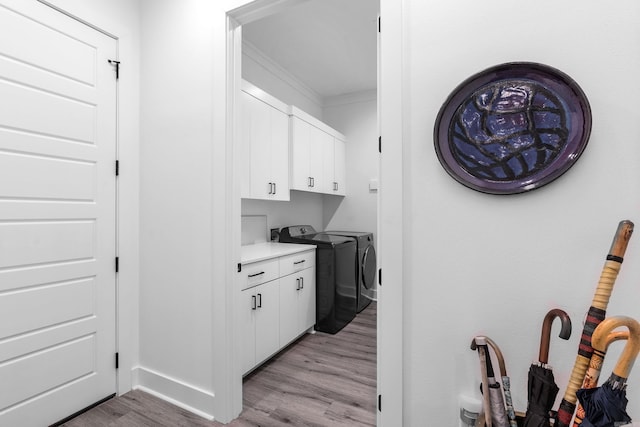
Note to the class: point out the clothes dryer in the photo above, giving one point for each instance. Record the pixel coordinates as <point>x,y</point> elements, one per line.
<point>366,266</point>
<point>336,290</point>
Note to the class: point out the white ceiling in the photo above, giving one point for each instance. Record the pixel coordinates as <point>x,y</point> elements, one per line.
<point>329,45</point>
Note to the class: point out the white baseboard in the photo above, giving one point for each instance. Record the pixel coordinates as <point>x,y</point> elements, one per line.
<point>177,392</point>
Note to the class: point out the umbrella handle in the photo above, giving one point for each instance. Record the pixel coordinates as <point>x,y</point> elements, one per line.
<point>630,351</point>
<point>499,356</point>
<point>614,260</point>
<point>595,315</point>
<point>545,338</point>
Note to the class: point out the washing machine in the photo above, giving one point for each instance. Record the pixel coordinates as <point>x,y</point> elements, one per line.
<point>366,266</point>
<point>336,287</point>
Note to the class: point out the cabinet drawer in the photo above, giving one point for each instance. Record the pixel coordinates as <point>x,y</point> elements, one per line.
<point>259,272</point>
<point>296,262</point>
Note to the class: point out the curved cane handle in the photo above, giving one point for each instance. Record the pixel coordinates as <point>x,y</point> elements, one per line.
<point>631,348</point>
<point>545,337</point>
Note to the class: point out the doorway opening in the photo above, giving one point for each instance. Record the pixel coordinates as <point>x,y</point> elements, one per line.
<point>336,103</point>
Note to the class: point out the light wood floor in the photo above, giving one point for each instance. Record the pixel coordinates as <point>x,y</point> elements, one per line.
<point>321,380</point>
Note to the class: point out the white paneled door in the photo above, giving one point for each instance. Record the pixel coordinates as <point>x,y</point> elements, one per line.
<point>57,214</point>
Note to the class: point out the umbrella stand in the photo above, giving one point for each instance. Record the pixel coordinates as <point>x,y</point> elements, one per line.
<point>595,315</point>
<point>506,382</point>
<point>542,389</point>
<point>606,406</point>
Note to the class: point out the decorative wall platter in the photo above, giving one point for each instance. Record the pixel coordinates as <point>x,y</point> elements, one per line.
<point>512,128</point>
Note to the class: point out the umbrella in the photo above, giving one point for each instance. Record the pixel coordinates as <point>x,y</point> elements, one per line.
<point>542,388</point>
<point>604,406</point>
<point>602,337</point>
<point>595,315</point>
<point>506,382</point>
<point>486,407</point>
<point>495,412</point>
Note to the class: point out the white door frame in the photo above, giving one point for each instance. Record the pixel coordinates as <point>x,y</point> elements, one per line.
<point>227,371</point>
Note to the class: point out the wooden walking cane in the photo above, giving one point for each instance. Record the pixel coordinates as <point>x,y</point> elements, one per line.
<point>595,315</point>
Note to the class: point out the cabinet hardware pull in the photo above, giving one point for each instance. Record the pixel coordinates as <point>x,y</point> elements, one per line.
<point>299,262</point>
<point>313,182</point>
<point>309,182</point>
<point>275,188</point>
<point>253,302</point>
<point>259,300</point>
<point>256,274</point>
<point>298,284</point>
<point>302,283</point>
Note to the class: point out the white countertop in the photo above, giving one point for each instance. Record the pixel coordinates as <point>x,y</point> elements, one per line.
<point>266,250</point>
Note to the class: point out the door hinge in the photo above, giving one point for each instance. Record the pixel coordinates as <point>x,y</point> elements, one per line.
<point>380,276</point>
<point>379,403</point>
<point>379,144</point>
<point>117,167</point>
<point>239,267</point>
<point>117,360</point>
<point>117,264</point>
<point>116,64</point>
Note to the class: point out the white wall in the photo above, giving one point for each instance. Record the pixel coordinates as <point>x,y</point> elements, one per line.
<point>356,118</point>
<point>120,18</point>
<point>304,208</point>
<point>176,206</point>
<point>494,265</point>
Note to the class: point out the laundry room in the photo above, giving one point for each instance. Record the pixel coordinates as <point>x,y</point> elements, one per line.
<point>309,174</point>
<point>309,153</point>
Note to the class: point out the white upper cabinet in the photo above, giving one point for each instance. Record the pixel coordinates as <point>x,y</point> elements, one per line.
<point>317,155</point>
<point>264,145</point>
<point>340,168</point>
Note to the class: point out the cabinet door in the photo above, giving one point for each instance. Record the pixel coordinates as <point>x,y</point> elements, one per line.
<point>307,300</point>
<point>318,150</point>
<point>328,164</point>
<point>245,144</point>
<point>340,171</point>
<point>247,329</point>
<point>267,320</point>
<point>300,154</point>
<point>279,152</point>
<point>260,149</point>
<point>289,294</point>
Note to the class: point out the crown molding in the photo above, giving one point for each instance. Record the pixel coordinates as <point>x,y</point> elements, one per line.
<point>370,95</point>
<point>281,73</point>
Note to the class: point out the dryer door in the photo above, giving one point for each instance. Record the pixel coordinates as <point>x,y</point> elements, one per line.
<point>369,270</point>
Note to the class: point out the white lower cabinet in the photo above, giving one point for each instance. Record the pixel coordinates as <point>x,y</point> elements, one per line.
<point>278,304</point>
<point>260,323</point>
<point>297,304</point>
